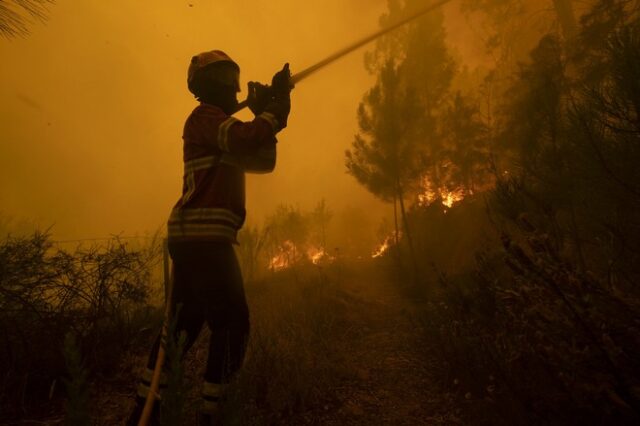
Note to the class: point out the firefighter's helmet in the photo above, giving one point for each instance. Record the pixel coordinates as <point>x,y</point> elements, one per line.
<point>219,66</point>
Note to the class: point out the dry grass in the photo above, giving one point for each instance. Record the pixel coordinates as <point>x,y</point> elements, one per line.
<point>295,358</point>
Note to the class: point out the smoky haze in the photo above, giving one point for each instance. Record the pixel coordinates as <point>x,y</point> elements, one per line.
<point>497,284</point>
<point>95,100</point>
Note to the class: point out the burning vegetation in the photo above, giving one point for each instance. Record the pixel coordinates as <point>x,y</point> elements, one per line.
<point>514,263</point>
<point>444,196</point>
<point>387,244</point>
<point>289,255</point>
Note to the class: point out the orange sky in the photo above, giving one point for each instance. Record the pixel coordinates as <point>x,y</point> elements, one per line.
<point>95,100</point>
<point>94,104</point>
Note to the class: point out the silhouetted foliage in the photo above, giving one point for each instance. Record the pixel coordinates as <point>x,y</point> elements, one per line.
<point>17,15</point>
<point>100,294</point>
<point>544,330</point>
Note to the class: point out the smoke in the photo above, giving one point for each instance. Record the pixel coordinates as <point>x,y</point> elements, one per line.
<point>95,101</point>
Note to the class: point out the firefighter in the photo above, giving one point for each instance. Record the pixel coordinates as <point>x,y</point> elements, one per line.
<point>203,224</point>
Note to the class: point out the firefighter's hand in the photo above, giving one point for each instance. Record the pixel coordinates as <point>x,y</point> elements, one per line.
<point>281,82</point>
<point>258,97</point>
<point>279,106</point>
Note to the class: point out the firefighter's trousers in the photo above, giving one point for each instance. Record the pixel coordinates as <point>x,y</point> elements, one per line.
<point>208,287</point>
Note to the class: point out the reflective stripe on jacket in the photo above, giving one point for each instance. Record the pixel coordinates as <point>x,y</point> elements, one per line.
<point>212,205</point>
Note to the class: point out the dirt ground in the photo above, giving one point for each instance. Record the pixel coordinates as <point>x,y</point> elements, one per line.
<point>393,385</point>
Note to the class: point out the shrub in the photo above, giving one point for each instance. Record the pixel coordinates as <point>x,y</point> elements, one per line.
<point>99,294</point>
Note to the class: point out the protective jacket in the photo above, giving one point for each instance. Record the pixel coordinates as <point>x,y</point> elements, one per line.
<point>212,205</point>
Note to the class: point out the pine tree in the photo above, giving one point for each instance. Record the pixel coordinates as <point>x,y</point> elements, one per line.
<point>399,141</point>
<point>17,15</point>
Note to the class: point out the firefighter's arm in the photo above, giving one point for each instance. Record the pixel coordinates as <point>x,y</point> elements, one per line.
<point>250,146</point>
<point>236,137</point>
<point>241,138</point>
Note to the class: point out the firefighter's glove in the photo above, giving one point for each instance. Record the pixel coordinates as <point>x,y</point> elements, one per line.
<point>280,107</point>
<point>281,82</point>
<point>259,97</point>
<point>280,103</point>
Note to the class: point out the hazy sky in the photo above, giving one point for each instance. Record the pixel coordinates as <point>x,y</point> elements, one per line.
<point>94,103</point>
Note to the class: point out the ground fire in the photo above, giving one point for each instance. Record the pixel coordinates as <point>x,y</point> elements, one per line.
<point>288,255</point>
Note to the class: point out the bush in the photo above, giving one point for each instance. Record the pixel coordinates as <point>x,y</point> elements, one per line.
<point>99,294</point>
<point>522,335</point>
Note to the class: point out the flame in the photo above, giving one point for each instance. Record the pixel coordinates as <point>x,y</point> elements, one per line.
<point>285,257</point>
<point>279,262</point>
<point>317,255</point>
<point>447,198</point>
<point>384,247</point>
<point>288,255</point>
<point>426,198</point>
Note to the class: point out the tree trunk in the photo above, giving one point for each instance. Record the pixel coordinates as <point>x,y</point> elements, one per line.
<point>396,246</point>
<point>405,224</point>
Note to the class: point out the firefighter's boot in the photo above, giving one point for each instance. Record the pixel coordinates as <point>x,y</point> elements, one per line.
<point>209,414</point>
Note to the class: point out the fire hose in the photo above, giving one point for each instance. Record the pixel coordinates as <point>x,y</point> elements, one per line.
<point>296,78</point>
<point>157,370</point>
<point>168,271</point>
